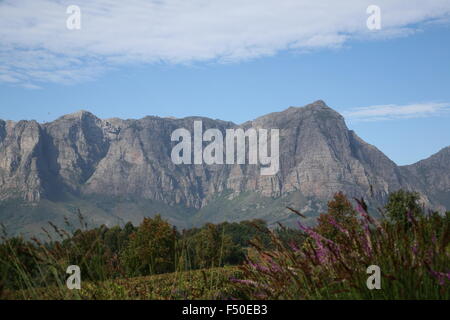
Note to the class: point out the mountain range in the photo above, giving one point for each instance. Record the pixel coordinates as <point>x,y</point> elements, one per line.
<point>115,171</point>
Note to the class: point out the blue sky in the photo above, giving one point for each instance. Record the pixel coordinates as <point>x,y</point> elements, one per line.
<point>393,88</point>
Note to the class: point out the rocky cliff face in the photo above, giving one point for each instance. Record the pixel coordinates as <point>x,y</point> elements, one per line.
<point>432,177</point>
<point>21,156</point>
<point>320,156</point>
<point>83,156</point>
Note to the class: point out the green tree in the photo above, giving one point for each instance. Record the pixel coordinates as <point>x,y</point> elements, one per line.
<point>210,246</point>
<point>151,249</point>
<point>402,204</point>
<point>341,211</point>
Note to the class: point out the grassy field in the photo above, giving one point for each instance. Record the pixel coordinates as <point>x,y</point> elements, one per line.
<point>189,285</point>
<point>409,247</point>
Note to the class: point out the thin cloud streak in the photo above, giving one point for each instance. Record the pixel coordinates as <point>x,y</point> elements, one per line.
<point>394,112</point>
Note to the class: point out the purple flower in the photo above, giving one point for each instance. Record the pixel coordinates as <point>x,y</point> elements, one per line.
<point>294,247</point>
<point>275,267</point>
<point>440,276</point>
<point>244,281</point>
<point>366,240</point>
<point>337,225</point>
<point>321,252</point>
<point>433,238</point>
<point>259,267</point>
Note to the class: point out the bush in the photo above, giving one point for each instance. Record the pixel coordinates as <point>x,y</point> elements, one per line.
<point>150,249</point>
<point>402,204</point>
<point>414,263</point>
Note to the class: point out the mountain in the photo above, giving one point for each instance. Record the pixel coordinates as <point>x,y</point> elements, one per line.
<point>118,170</point>
<point>432,177</point>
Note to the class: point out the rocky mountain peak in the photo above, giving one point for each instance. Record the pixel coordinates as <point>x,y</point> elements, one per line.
<point>81,156</point>
<point>80,114</point>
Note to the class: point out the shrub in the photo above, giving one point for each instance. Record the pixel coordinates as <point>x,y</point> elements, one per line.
<point>150,249</point>
<point>414,263</point>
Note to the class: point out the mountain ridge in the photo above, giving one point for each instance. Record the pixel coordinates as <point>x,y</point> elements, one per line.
<point>79,158</point>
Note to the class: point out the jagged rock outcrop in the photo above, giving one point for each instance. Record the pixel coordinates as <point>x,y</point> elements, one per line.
<point>432,177</point>
<point>320,156</point>
<point>83,156</point>
<point>20,158</point>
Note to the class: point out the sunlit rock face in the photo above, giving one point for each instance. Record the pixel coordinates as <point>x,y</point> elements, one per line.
<point>82,155</point>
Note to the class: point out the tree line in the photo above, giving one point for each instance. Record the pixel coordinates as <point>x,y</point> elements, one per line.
<point>156,247</point>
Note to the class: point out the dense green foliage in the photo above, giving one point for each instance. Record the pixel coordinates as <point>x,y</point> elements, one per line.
<point>341,211</point>
<point>156,261</point>
<point>332,262</point>
<point>154,247</point>
<point>401,205</point>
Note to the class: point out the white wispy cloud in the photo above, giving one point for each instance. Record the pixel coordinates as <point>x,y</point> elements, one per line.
<point>37,47</point>
<point>392,111</point>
